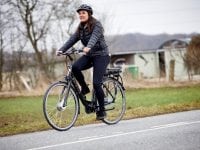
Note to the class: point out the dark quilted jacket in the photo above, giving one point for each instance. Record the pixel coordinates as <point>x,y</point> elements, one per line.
<point>94,40</point>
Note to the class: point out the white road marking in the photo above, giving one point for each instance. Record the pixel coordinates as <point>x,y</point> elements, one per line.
<point>89,137</point>
<point>154,128</point>
<point>171,124</point>
<point>118,132</point>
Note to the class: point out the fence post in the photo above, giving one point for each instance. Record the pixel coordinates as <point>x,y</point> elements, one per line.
<point>171,70</point>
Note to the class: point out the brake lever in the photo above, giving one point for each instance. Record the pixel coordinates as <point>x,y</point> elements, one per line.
<point>71,51</point>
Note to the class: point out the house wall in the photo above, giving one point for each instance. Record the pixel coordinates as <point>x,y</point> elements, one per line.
<point>179,69</point>
<point>147,64</point>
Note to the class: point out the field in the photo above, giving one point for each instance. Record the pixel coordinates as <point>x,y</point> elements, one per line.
<point>24,114</point>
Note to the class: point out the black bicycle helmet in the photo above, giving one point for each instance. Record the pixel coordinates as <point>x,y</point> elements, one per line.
<point>86,8</point>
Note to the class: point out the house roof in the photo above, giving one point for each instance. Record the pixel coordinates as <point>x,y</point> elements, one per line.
<point>172,43</point>
<point>175,43</point>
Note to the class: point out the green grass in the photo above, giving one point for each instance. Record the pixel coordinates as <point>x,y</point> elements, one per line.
<point>146,102</point>
<point>24,114</point>
<point>162,96</point>
<point>20,114</point>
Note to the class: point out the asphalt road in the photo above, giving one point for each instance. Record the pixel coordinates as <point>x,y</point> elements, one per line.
<point>177,131</point>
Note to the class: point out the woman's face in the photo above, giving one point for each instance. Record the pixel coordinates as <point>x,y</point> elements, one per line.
<point>83,15</point>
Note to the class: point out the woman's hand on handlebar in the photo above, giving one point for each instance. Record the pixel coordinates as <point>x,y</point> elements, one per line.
<point>86,50</point>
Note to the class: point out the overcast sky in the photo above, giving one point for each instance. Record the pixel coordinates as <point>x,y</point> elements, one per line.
<point>148,16</point>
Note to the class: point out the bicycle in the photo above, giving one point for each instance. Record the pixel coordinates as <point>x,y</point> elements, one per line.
<point>61,102</point>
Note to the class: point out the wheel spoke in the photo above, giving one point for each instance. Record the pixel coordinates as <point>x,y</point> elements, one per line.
<point>114,92</point>
<point>58,116</point>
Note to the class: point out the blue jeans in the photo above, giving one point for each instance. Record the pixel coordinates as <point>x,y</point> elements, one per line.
<point>99,64</point>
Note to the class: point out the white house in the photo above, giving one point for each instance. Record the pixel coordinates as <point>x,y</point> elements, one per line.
<point>156,63</point>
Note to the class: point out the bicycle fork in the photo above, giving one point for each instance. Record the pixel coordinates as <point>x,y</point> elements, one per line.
<point>61,105</point>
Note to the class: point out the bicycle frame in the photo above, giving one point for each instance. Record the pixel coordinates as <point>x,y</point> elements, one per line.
<point>63,95</point>
<point>72,83</point>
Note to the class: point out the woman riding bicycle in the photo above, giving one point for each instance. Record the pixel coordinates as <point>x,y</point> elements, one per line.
<point>96,55</point>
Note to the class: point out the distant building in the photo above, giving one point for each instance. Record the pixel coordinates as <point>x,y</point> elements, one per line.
<point>155,63</point>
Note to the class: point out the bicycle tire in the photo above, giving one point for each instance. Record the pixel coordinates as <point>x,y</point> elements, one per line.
<point>60,116</point>
<point>116,105</point>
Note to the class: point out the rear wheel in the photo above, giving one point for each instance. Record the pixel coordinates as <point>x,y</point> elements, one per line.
<point>115,102</point>
<point>60,106</point>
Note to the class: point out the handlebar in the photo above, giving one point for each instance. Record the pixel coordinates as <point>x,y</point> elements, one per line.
<point>71,51</point>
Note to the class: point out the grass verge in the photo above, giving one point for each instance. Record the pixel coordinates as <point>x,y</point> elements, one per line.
<point>24,114</point>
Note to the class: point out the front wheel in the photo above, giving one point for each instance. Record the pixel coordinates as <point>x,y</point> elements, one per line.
<point>115,101</point>
<point>60,106</point>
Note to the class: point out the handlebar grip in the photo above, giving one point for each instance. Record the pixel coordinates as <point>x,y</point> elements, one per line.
<point>80,51</point>
<point>69,52</point>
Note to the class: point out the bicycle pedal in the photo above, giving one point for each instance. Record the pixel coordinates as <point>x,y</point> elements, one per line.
<point>108,100</point>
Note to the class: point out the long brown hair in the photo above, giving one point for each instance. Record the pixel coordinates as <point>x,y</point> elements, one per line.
<point>90,24</point>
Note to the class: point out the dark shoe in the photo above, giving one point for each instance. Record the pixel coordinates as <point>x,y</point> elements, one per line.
<point>100,115</point>
<point>85,90</point>
<point>89,107</point>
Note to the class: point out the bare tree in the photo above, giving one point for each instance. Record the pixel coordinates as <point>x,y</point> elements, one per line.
<point>4,15</point>
<point>36,16</point>
<point>39,22</point>
<point>1,56</point>
<point>192,57</point>
<point>33,31</point>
